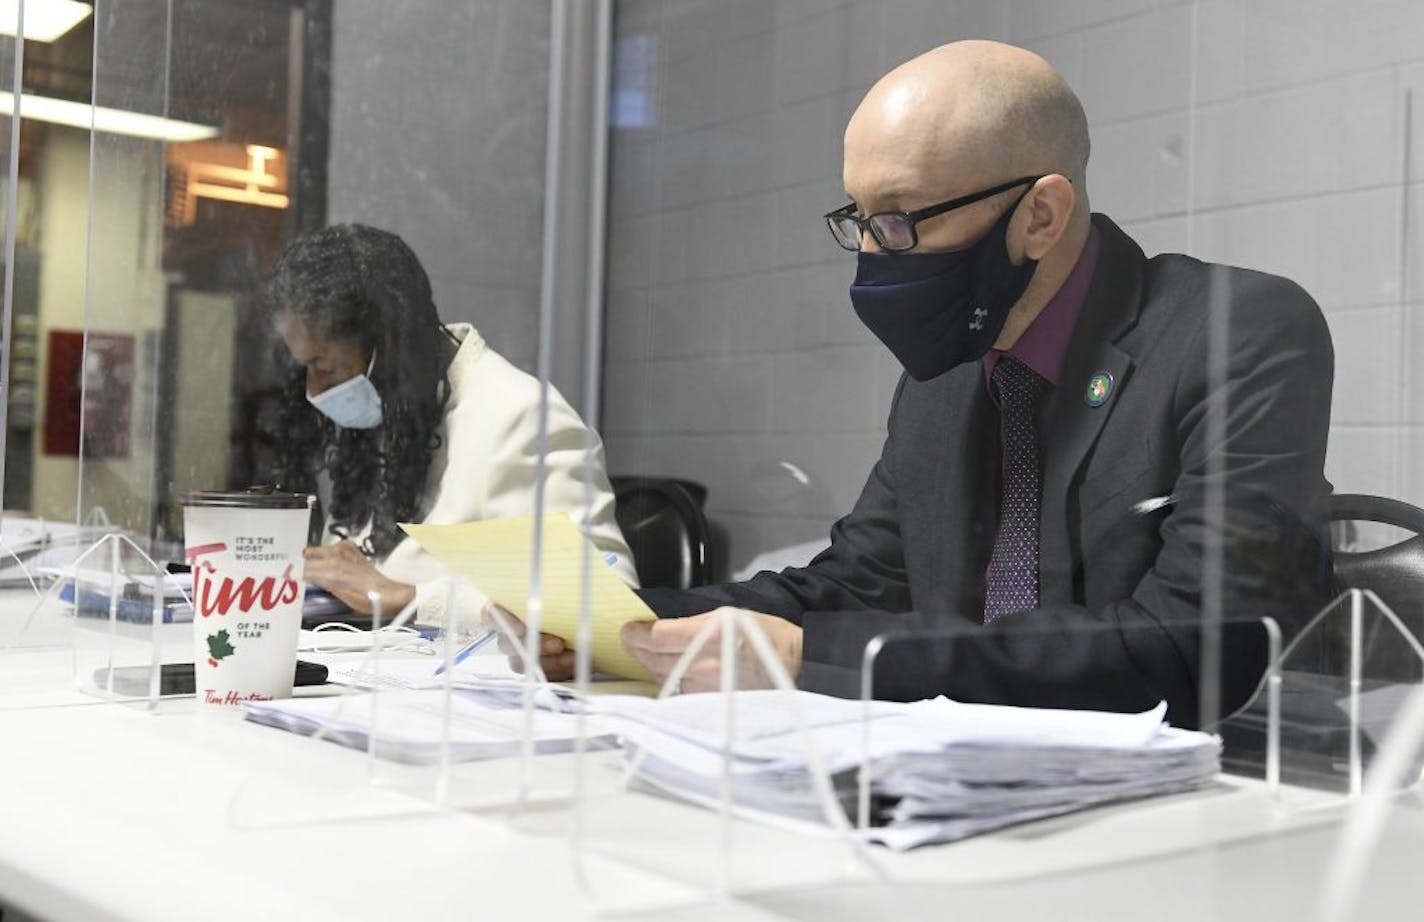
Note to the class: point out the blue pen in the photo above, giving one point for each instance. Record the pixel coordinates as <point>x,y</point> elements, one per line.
<point>481,640</point>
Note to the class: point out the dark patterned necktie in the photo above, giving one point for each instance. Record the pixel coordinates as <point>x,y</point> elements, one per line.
<point>1013,568</point>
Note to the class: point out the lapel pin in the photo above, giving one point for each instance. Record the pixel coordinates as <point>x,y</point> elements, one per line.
<point>1100,387</point>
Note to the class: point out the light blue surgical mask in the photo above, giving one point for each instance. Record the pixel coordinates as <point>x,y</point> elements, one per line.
<point>352,404</point>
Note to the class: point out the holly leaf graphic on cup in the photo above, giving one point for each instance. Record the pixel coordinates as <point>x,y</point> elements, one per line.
<point>219,647</point>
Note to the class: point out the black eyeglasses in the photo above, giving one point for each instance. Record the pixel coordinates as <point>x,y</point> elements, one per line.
<point>895,230</point>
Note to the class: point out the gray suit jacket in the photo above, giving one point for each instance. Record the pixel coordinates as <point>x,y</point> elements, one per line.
<point>1121,589</point>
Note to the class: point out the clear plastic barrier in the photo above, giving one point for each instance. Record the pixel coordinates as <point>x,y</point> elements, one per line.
<point>720,787</point>
<point>1117,403</point>
<point>18,415</point>
<point>1339,687</point>
<point>1281,472</point>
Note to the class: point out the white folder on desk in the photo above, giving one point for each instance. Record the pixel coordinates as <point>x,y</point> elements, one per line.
<point>412,724</point>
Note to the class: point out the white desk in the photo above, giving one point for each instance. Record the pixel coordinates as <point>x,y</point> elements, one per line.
<point>110,812</point>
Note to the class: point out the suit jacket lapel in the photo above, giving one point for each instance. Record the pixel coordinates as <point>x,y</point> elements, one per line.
<point>952,510</point>
<point>1110,309</point>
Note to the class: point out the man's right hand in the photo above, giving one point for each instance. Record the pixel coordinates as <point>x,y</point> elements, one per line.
<point>555,658</point>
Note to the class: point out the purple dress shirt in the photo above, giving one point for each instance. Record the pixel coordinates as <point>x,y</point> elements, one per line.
<point>1044,345</point>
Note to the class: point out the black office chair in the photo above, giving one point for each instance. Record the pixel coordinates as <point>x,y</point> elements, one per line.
<point>1394,572</point>
<point>663,523</point>
<point>1315,728</point>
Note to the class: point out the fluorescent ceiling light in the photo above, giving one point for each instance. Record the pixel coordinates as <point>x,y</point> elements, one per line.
<point>45,20</point>
<point>102,118</point>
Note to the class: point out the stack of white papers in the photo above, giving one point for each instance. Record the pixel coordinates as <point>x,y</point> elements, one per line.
<point>940,770</point>
<point>410,726</point>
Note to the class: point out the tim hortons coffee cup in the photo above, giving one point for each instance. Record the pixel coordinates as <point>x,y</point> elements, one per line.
<point>245,551</point>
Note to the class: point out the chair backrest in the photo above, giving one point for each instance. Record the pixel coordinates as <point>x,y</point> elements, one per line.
<point>663,523</point>
<point>1394,572</point>
<point>1315,730</point>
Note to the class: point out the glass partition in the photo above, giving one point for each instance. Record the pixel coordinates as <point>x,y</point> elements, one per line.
<point>1237,438</point>
<point>185,228</point>
<point>172,163</point>
<point>20,283</point>
<point>541,301</point>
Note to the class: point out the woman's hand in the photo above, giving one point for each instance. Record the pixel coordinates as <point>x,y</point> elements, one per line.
<point>342,570</point>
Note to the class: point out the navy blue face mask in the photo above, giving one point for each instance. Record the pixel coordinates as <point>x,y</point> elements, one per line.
<point>938,310</point>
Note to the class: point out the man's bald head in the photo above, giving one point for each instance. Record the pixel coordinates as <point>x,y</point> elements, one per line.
<point>961,117</point>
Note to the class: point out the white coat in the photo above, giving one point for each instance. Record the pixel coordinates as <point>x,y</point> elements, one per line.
<point>485,468</point>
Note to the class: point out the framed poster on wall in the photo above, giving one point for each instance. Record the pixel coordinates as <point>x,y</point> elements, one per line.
<point>89,393</point>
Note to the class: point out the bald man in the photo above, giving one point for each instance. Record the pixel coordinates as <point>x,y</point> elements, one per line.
<point>1066,454</point>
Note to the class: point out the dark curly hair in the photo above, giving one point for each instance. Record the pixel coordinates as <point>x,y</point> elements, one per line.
<point>360,285</point>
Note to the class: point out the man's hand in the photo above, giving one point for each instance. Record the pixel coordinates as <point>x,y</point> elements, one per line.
<point>659,644</point>
<point>555,658</point>
<point>342,570</point>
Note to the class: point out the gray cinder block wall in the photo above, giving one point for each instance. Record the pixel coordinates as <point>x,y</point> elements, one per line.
<point>1264,133</point>
<point>438,119</point>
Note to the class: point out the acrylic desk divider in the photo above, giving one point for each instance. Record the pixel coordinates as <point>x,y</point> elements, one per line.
<point>1099,787</point>
<point>1396,769</point>
<point>21,591</point>
<point>729,795</point>
<point>96,634</point>
<point>352,734</point>
<point>410,734</point>
<point>1335,691</point>
<point>31,551</point>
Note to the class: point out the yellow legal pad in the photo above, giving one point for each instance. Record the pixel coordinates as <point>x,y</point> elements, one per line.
<point>495,556</point>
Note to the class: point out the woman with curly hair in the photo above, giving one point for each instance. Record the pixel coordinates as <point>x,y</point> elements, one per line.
<point>390,416</point>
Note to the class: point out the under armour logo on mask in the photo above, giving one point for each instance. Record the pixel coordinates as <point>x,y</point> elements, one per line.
<point>978,322</point>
